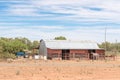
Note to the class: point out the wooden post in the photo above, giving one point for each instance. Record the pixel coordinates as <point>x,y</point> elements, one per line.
<point>73,55</point>
<point>59,57</point>
<point>88,56</point>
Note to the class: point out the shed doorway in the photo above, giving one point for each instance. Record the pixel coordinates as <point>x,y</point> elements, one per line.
<point>90,53</point>
<point>65,54</point>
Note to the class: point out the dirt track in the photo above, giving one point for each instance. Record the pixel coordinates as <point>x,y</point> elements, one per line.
<point>60,70</point>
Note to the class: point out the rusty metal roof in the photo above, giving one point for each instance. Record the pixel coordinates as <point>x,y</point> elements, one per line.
<point>67,44</point>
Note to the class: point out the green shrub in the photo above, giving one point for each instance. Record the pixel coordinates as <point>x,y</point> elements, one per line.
<point>7,55</point>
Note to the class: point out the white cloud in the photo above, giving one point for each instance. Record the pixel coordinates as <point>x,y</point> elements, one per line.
<point>81,33</point>
<point>50,27</point>
<point>24,10</point>
<point>80,11</point>
<point>110,10</point>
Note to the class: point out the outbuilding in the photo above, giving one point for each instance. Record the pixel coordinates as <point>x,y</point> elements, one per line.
<point>67,49</point>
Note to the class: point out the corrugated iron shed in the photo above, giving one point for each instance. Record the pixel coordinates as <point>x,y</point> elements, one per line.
<point>67,44</point>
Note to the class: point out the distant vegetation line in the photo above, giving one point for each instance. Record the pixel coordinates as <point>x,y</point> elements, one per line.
<point>9,46</point>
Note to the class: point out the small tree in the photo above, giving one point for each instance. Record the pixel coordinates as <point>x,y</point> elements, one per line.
<point>1,49</point>
<point>35,44</point>
<point>60,38</point>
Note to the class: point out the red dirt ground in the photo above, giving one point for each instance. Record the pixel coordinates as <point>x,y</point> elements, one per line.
<point>59,70</point>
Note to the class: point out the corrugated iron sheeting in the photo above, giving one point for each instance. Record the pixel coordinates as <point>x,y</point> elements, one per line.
<point>66,44</point>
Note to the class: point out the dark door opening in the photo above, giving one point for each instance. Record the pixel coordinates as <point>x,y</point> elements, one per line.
<point>90,53</point>
<point>65,54</point>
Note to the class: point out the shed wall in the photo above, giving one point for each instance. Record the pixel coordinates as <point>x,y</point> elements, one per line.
<point>52,51</point>
<point>74,53</point>
<point>100,51</point>
<point>78,51</point>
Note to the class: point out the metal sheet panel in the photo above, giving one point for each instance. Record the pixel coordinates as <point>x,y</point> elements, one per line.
<point>65,44</point>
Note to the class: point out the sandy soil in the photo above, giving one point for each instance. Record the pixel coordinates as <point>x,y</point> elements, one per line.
<point>59,70</point>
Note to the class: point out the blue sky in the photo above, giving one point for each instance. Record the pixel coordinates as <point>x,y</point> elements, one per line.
<point>74,19</point>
